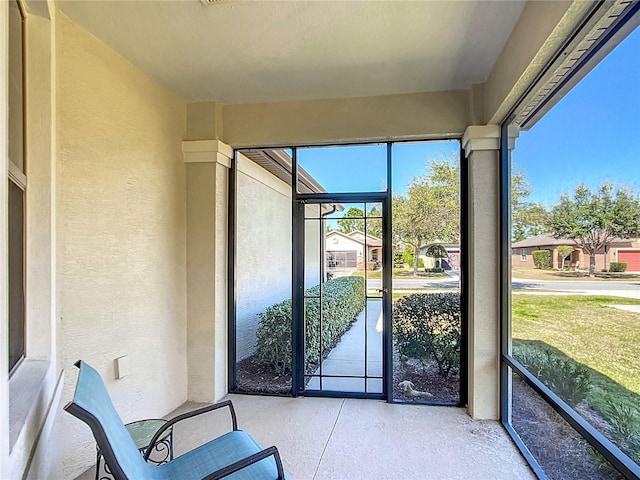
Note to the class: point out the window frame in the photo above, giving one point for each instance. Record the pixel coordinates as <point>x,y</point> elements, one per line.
<point>17,176</point>
<point>508,364</point>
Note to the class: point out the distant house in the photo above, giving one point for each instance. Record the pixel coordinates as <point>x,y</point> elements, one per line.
<point>350,251</point>
<point>619,250</point>
<point>451,262</point>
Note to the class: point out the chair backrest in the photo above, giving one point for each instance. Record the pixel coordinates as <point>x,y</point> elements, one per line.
<point>91,404</point>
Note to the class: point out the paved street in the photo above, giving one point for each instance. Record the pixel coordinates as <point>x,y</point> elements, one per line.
<point>628,289</point>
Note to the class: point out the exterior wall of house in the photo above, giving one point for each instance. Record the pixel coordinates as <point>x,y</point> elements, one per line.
<point>121,235</point>
<point>578,257</point>
<point>263,206</point>
<point>264,249</point>
<point>343,244</point>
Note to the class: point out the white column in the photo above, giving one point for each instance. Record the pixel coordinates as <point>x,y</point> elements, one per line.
<point>481,145</point>
<point>208,163</point>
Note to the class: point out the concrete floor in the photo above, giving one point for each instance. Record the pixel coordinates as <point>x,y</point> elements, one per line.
<point>325,438</point>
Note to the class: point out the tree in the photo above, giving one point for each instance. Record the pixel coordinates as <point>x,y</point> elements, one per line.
<point>437,251</point>
<point>430,210</point>
<point>593,219</point>
<point>354,220</point>
<point>564,251</point>
<point>527,218</point>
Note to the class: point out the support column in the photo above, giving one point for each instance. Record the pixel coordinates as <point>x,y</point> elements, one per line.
<point>207,163</point>
<point>481,145</point>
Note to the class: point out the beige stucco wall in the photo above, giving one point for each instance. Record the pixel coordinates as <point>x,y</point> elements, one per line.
<point>338,243</point>
<point>263,248</point>
<point>481,145</point>
<point>419,115</point>
<point>207,206</point>
<point>121,234</point>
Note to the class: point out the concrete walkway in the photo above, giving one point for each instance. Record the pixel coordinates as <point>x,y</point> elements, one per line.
<point>348,357</point>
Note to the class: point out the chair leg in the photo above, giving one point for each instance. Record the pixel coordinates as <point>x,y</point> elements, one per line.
<point>98,457</point>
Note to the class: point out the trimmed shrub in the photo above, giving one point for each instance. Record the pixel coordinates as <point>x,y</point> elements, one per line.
<point>407,257</point>
<point>427,326</point>
<point>434,270</point>
<point>343,298</point>
<point>541,258</point>
<point>568,379</point>
<point>618,267</point>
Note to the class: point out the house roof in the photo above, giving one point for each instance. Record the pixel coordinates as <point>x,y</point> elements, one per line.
<point>546,240</point>
<point>279,163</point>
<point>371,240</point>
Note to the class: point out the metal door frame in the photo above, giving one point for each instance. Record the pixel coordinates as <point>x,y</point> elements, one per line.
<point>299,200</point>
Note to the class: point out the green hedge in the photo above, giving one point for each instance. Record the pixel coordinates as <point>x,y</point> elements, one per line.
<point>343,298</point>
<point>541,258</point>
<point>618,267</point>
<point>568,379</point>
<point>427,326</point>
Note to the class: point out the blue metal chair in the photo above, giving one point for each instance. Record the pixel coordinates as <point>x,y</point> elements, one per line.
<point>235,455</point>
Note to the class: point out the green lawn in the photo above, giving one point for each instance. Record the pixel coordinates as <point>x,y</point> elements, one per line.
<point>538,274</point>
<point>400,273</point>
<point>583,328</point>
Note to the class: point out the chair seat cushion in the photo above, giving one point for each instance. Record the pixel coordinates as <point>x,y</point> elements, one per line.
<point>217,454</point>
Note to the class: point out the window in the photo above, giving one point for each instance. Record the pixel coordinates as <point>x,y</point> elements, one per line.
<point>571,386</point>
<point>523,254</point>
<point>16,186</point>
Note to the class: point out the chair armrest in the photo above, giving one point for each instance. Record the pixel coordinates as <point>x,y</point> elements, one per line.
<point>184,416</point>
<point>245,462</point>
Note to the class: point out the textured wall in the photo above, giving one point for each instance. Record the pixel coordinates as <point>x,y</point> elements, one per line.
<point>484,285</point>
<point>419,115</point>
<point>121,233</point>
<point>207,208</point>
<point>263,249</point>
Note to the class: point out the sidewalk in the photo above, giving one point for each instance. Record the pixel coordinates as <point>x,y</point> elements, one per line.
<point>348,357</point>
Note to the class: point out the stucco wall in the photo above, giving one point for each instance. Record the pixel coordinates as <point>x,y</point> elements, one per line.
<point>338,243</point>
<point>121,234</point>
<point>417,115</point>
<point>263,249</point>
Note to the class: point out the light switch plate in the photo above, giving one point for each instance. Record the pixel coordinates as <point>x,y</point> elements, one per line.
<point>122,366</point>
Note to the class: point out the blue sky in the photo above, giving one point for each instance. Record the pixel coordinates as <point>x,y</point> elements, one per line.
<point>363,167</point>
<point>591,135</point>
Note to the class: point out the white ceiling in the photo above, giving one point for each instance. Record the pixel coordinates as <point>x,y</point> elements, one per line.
<point>266,51</point>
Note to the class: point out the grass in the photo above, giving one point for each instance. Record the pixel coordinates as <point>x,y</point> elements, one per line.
<point>529,273</point>
<point>585,329</point>
<point>400,273</point>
